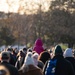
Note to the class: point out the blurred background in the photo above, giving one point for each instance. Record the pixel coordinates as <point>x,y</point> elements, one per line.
<point>23,21</point>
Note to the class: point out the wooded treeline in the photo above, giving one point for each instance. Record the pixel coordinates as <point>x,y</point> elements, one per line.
<point>57,25</point>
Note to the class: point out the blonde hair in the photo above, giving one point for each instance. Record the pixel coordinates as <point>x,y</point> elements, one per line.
<point>4,69</point>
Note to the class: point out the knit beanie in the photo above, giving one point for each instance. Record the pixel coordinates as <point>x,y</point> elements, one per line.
<point>28,59</point>
<point>68,53</point>
<point>35,58</point>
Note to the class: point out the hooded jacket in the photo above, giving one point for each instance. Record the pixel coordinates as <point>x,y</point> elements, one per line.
<point>63,67</point>
<point>38,46</point>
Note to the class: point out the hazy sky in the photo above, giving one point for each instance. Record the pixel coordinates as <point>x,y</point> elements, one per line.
<point>15,4</point>
<point>4,6</point>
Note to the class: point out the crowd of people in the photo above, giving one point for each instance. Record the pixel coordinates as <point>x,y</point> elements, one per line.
<point>37,61</point>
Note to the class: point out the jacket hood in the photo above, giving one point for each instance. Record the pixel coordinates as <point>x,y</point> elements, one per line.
<point>38,42</point>
<point>68,53</point>
<point>35,58</point>
<point>28,59</point>
<point>58,50</point>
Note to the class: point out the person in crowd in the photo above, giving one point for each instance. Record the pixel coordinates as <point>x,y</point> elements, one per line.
<point>35,58</point>
<point>29,67</point>
<point>12,56</point>
<point>29,50</point>
<point>15,51</point>
<point>51,52</point>
<point>37,62</point>
<point>68,54</point>
<point>24,50</point>
<point>40,64</point>
<point>38,46</point>
<point>20,59</point>
<point>44,56</point>
<point>6,66</point>
<point>58,65</point>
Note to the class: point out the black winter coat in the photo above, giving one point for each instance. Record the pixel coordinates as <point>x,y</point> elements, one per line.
<point>11,68</point>
<point>72,60</point>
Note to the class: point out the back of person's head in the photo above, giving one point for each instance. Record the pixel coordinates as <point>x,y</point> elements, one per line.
<point>38,42</point>
<point>21,53</point>
<point>44,56</point>
<point>24,50</point>
<point>58,50</point>
<point>10,49</point>
<point>35,58</point>
<point>5,55</point>
<point>27,62</point>
<point>15,51</point>
<point>68,53</point>
<point>29,50</point>
<point>29,59</point>
<point>35,55</point>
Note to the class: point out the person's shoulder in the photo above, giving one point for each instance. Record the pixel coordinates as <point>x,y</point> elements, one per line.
<point>12,66</point>
<point>68,63</point>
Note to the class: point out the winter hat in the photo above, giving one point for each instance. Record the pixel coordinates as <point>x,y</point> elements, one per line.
<point>68,53</point>
<point>16,50</point>
<point>30,50</point>
<point>58,50</point>
<point>5,55</point>
<point>10,49</point>
<point>35,55</point>
<point>35,58</point>
<point>29,59</point>
<point>24,50</point>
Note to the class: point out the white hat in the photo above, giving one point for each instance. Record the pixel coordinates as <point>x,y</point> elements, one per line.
<point>28,59</point>
<point>68,53</point>
<point>35,58</point>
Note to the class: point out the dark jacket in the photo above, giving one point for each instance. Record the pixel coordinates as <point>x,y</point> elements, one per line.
<point>30,70</point>
<point>19,63</point>
<point>12,59</point>
<point>63,67</point>
<point>11,68</point>
<point>72,60</point>
<point>40,64</point>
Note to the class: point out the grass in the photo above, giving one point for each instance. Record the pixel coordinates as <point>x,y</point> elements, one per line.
<point>64,46</point>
